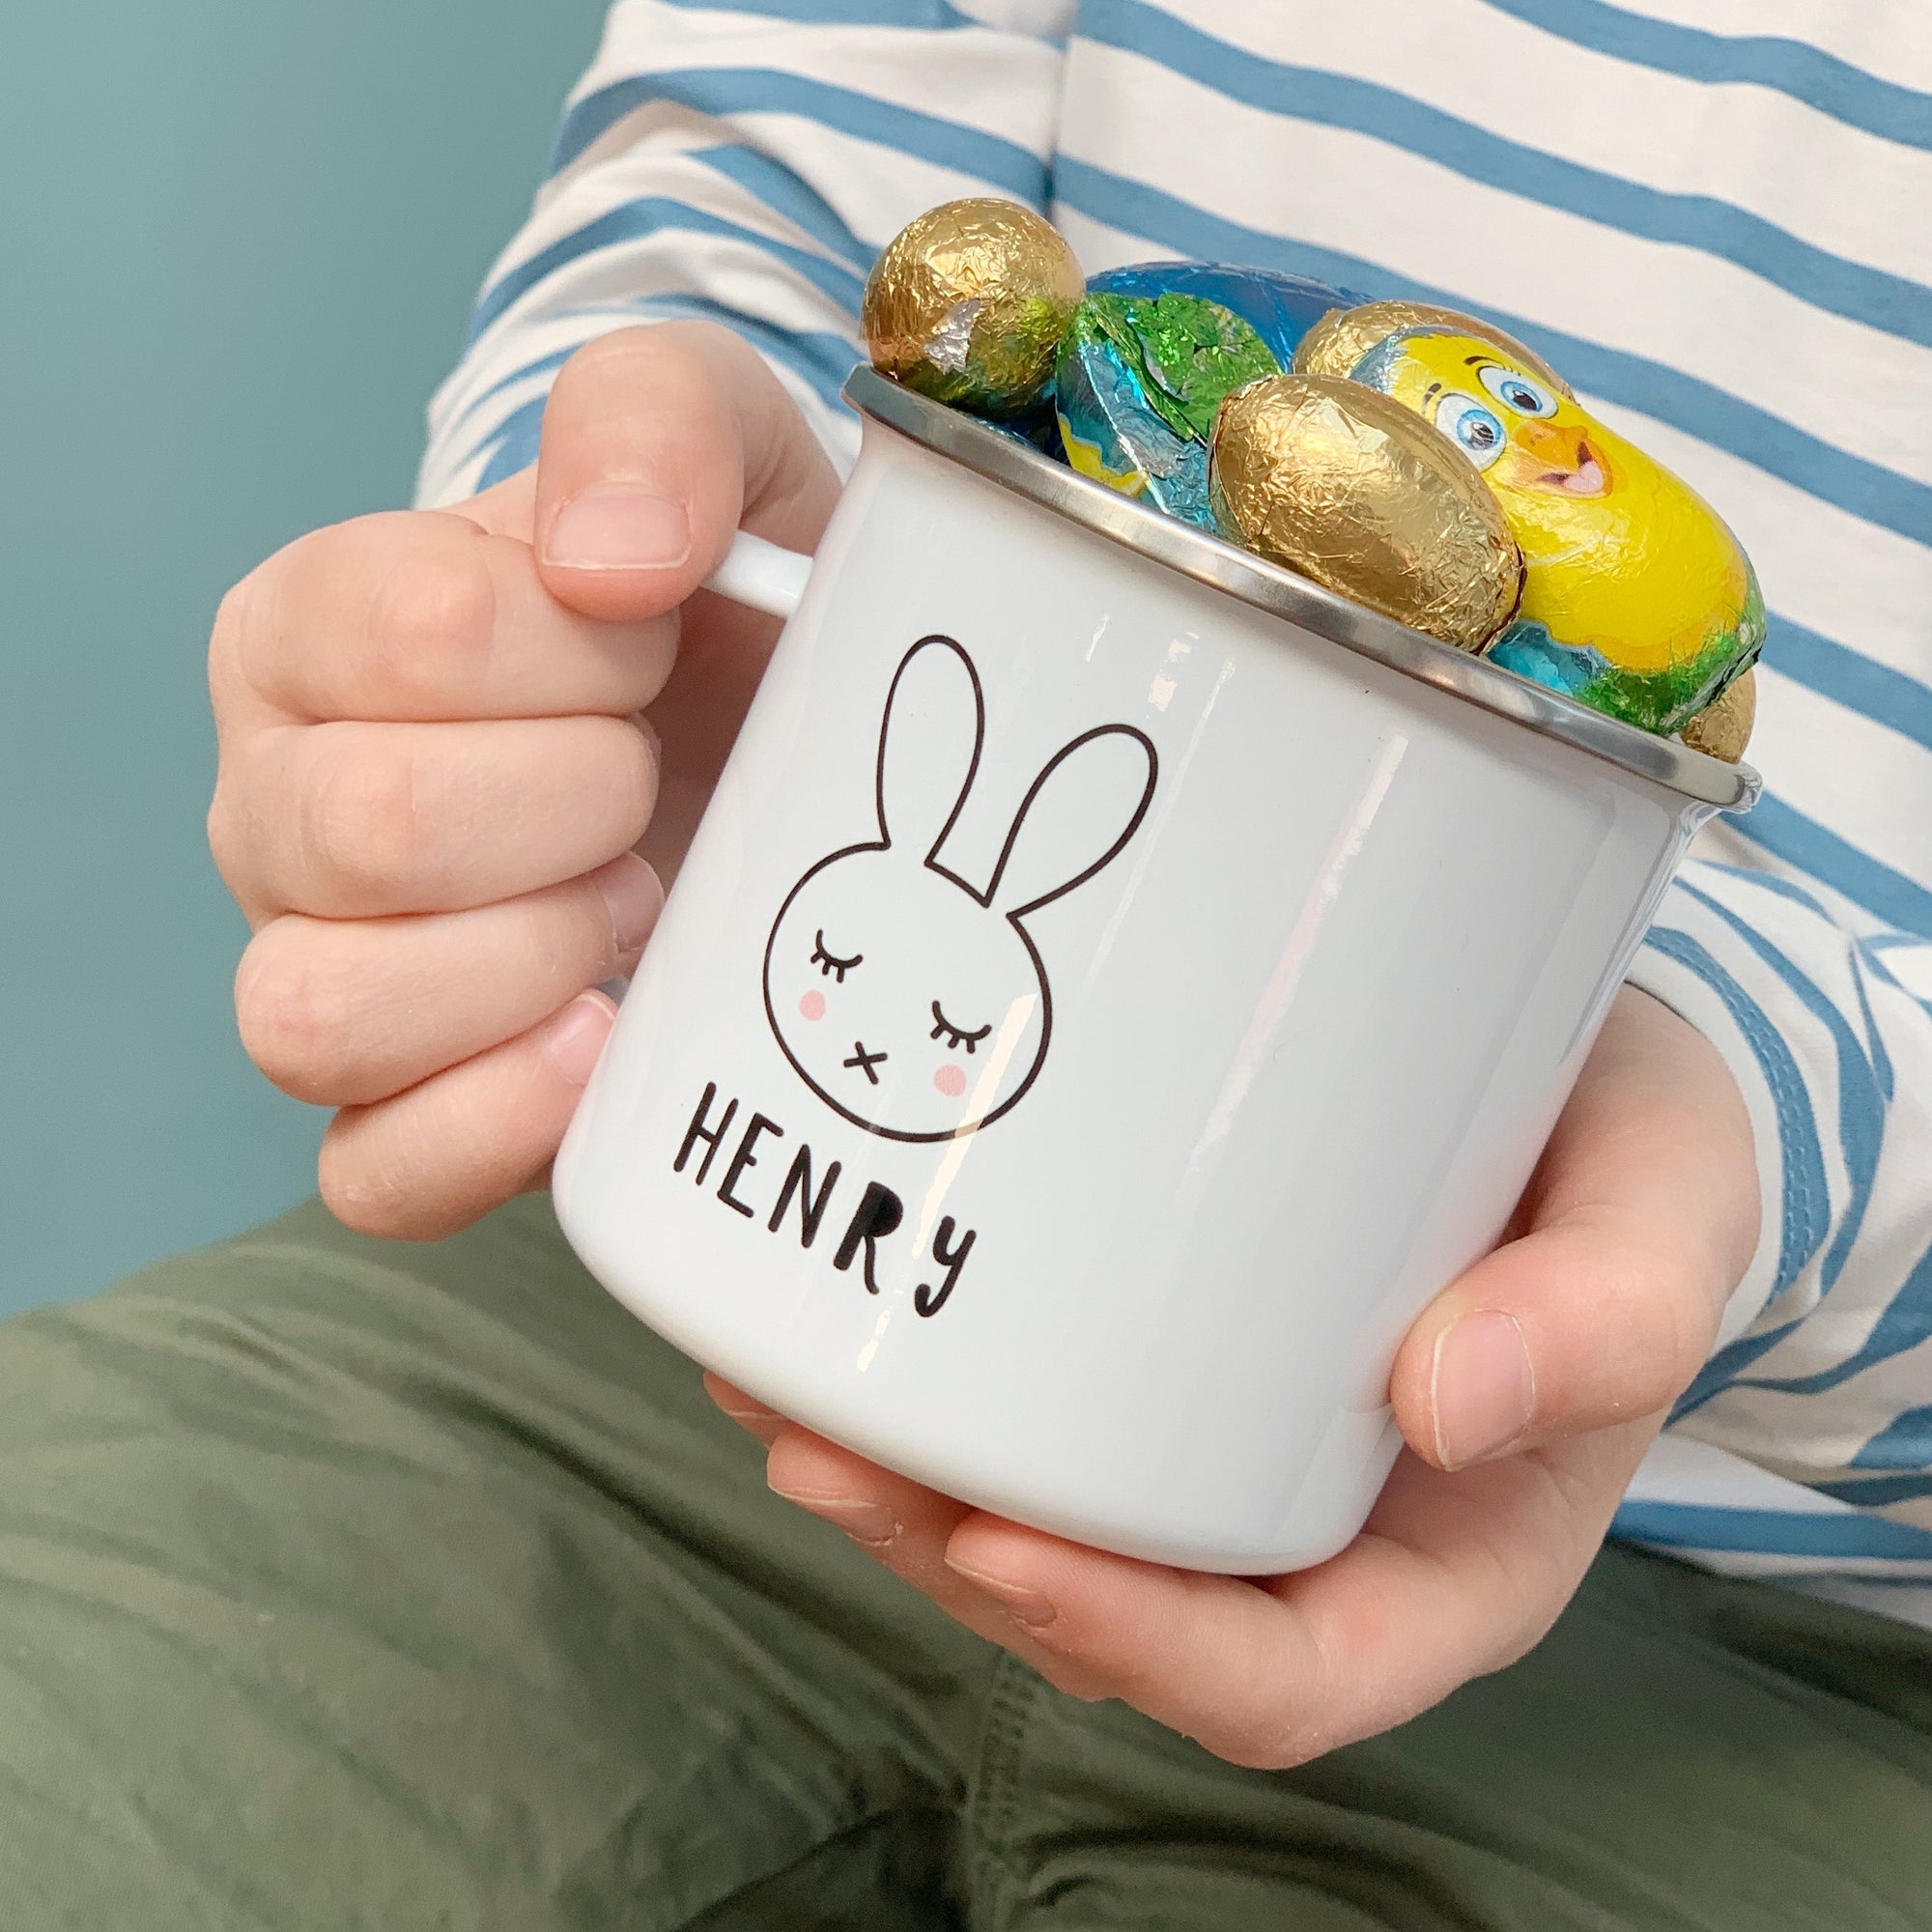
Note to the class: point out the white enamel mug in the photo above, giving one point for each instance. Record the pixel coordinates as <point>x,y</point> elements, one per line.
<point>1115,986</point>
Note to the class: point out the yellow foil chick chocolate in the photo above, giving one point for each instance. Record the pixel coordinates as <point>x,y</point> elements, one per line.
<point>1636,597</point>
<point>1345,486</point>
<point>968,304</point>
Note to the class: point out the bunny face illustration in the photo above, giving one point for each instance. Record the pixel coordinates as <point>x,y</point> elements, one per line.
<point>911,1001</point>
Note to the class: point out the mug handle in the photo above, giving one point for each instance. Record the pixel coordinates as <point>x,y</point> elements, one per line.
<point>760,576</point>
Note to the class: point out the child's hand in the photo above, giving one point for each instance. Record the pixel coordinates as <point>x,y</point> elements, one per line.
<point>1549,1365</point>
<point>434,776</point>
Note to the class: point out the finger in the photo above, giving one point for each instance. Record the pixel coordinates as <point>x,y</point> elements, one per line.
<point>1641,1220</point>
<point>746,1411</point>
<point>506,509</point>
<point>355,821</point>
<point>906,1528</point>
<point>658,443</point>
<point>343,1012</point>
<point>432,1160</point>
<point>1453,1577</point>
<point>423,618</point>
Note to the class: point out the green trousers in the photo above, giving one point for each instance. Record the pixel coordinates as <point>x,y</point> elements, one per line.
<point>347,1585</point>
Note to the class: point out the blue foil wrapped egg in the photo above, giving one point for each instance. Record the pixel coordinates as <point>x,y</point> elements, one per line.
<point>1137,386</point>
<point>1280,308</point>
<point>1038,432</point>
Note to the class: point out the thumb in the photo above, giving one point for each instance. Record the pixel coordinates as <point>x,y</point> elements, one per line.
<point>658,443</point>
<point>1641,1221</point>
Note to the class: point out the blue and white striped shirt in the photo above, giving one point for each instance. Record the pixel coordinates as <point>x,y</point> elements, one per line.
<point>1714,216</point>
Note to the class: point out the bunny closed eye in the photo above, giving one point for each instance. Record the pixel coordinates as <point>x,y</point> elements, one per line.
<point>957,1037</point>
<point>879,1046</point>
<point>829,962</point>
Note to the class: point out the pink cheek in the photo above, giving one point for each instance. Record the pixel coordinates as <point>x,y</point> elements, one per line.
<point>813,1005</point>
<point>950,1081</point>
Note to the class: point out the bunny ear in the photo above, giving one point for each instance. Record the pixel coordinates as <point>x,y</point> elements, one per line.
<point>930,742</point>
<point>1082,810</point>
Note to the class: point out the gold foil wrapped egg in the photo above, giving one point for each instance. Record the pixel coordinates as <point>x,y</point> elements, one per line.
<point>1722,729</point>
<point>1347,486</point>
<point>1339,341</point>
<point>969,302</point>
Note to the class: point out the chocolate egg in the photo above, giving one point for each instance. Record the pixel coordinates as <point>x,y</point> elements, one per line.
<point>1138,386</point>
<point>1722,729</point>
<point>1637,599</point>
<point>1347,487</point>
<point>968,304</point>
<point>1339,341</point>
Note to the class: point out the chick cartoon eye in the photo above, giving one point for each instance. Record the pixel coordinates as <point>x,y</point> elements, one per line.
<point>957,1037</point>
<point>1473,427</point>
<point>829,962</point>
<point>1517,392</point>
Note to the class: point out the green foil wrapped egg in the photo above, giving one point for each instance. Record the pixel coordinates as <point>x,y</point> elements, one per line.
<point>968,304</point>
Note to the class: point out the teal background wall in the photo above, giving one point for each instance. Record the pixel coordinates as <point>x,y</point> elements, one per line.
<point>239,240</point>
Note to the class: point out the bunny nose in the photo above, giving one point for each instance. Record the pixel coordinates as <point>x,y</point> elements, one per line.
<point>865,1061</point>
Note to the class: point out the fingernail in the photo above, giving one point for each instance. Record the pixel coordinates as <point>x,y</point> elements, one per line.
<point>1481,1387</point>
<point>870,1523</point>
<point>635,896</point>
<point>575,1039</point>
<point>618,529</point>
<point>1024,1606</point>
<point>758,1422</point>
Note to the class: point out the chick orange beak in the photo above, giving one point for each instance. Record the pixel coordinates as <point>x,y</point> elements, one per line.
<point>1560,458</point>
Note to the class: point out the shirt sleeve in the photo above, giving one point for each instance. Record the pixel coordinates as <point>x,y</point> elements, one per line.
<point>745,164</point>
<point>1824,1364</point>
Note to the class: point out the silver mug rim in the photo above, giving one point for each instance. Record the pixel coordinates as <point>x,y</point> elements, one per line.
<point>1264,586</point>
